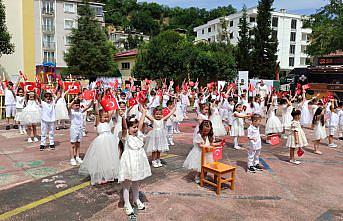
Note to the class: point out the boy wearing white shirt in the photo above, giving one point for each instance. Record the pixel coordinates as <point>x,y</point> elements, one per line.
<point>10,104</point>
<point>255,144</point>
<point>48,118</point>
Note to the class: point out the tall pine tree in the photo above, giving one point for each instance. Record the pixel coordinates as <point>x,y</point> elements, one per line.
<point>6,47</point>
<point>90,54</point>
<point>264,45</point>
<point>244,44</point>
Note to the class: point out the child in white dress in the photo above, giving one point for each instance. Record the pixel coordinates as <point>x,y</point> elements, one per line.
<point>333,120</point>
<point>31,116</point>
<point>217,122</point>
<point>20,103</point>
<point>134,165</point>
<point>230,107</point>
<point>286,118</point>
<point>170,124</point>
<point>255,144</point>
<point>179,116</point>
<point>305,119</point>
<point>297,138</point>
<point>273,125</point>
<point>340,123</point>
<point>237,129</point>
<point>318,124</point>
<point>156,141</point>
<point>101,161</point>
<point>203,115</point>
<point>61,110</point>
<point>203,138</point>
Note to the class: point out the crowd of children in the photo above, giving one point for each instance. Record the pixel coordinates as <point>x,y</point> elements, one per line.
<point>147,119</point>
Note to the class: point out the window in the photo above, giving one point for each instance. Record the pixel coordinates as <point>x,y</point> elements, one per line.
<point>275,21</point>
<point>292,49</point>
<point>214,28</point>
<point>49,56</point>
<point>303,48</point>
<point>67,40</point>
<point>231,23</point>
<point>49,42</point>
<point>69,7</point>
<point>293,35</point>
<point>231,35</point>
<point>304,37</point>
<point>125,66</point>
<point>48,24</point>
<point>98,11</point>
<point>294,24</point>
<point>302,61</point>
<point>252,19</point>
<point>48,7</point>
<point>68,24</point>
<point>209,30</point>
<point>274,34</point>
<point>209,40</point>
<point>202,31</point>
<point>291,62</point>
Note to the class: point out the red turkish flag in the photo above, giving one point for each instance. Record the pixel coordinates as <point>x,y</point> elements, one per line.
<point>306,86</point>
<point>73,87</point>
<point>300,152</point>
<point>165,111</point>
<point>274,139</point>
<point>191,83</point>
<point>109,104</point>
<point>28,86</point>
<point>217,153</point>
<point>132,102</point>
<point>88,94</point>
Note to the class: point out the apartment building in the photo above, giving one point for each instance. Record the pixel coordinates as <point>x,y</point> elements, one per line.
<point>40,30</point>
<point>287,27</point>
<point>119,38</point>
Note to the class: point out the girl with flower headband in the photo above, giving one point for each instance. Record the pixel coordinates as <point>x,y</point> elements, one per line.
<point>237,129</point>
<point>134,165</point>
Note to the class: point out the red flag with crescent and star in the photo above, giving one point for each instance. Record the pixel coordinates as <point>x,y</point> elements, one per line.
<point>132,102</point>
<point>109,103</point>
<point>88,95</point>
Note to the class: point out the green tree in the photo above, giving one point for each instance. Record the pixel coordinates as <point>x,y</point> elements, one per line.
<point>142,21</point>
<point>6,47</point>
<point>90,54</point>
<point>265,44</point>
<point>244,44</point>
<point>327,29</point>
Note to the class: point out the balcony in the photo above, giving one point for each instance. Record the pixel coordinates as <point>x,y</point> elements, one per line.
<point>48,11</point>
<point>49,45</point>
<point>48,29</point>
<point>49,59</point>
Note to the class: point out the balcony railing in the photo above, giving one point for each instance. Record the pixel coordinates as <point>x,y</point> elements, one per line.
<point>49,45</point>
<point>48,28</point>
<point>48,11</point>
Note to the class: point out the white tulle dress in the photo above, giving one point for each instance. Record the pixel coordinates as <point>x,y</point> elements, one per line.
<point>237,129</point>
<point>193,160</point>
<point>319,131</point>
<point>302,141</point>
<point>286,117</point>
<point>101,161</point>
<point>61,109</point>
<point>217,123</point>
<point>179,112</point>
<point>305,118</point>
<point>134,164</point>
<point>31,114</point>
<point>157,138</point>
<point>273,125</point>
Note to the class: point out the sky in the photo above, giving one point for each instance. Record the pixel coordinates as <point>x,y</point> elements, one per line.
<point>305,7</point>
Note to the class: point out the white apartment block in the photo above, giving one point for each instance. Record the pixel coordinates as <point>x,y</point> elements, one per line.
<point>292,37</point>
<point>119,38</point>
<point>54,21</point>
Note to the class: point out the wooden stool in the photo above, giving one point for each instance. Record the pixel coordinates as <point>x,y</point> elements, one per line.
<point>217,169</point>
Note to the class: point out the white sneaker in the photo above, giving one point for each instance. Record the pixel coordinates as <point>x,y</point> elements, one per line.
<point>73,162</point>
<point>154,163</point>
<point>332,145</point>
<point>139,205</point>
<point>128,209</point>
<point>35,139</point>
<point>171,142</point>
<point>159,163</point>
<point>84,134</point>
<point>29,140</point>
<point>295,162</point>
<point>79,160</point>
<point>237,147</point>
<point>197,180</point>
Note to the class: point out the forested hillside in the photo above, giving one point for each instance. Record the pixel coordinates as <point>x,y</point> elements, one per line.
<point>152,18</point>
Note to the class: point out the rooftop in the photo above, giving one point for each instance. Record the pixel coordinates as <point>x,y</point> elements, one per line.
<point>128,53</point>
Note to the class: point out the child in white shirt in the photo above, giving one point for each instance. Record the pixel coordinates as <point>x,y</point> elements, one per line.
<point>10,104</point>
<point>48,118</point>
<point>255,144</point>
<point>340,123</point>
<point>332,124</point>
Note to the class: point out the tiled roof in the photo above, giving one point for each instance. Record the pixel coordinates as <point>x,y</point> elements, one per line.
<point>133,52</point>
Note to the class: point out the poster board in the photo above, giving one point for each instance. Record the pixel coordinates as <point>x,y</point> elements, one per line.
<point>243,81</point>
